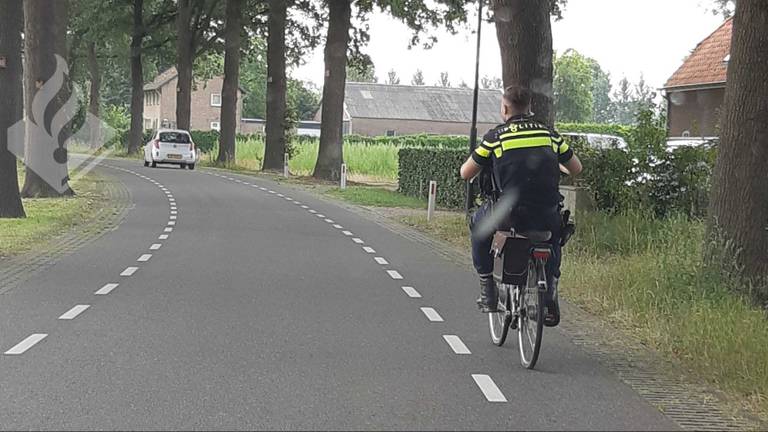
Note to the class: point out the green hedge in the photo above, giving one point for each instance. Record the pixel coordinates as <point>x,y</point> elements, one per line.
<point>418,166</point>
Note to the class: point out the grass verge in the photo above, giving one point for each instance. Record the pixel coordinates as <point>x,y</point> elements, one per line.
<point>376,197</point>
<point>50,217</point>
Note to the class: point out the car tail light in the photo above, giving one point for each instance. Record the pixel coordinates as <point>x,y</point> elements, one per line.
<point>191,146</point>
<point>156,144</point>
<point>541,254</point>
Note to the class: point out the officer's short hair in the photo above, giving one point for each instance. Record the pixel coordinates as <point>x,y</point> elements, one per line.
<point>518,96</point>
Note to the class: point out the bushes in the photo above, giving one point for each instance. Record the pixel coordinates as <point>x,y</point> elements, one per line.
<point>419,166</point>
<point>205,141</point>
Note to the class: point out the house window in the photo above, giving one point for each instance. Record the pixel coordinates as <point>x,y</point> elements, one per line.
<point>391,133</point>
<point>215,126</point>
<point>216,99</point>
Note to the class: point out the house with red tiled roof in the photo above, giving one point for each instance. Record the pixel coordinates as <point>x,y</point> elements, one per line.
<point>696,91</point>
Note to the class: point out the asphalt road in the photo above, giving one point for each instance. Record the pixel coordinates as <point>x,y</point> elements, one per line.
<point>249,310</point>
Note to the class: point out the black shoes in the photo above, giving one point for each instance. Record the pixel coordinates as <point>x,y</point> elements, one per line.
<point>552,312</point>
<point>489,296</point>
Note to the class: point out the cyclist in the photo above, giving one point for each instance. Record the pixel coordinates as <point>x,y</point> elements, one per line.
<point>523,158</point>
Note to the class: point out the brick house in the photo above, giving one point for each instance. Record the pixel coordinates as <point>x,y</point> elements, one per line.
<point>160,103</point>
<point>381,109</point>
<point>696,91</point>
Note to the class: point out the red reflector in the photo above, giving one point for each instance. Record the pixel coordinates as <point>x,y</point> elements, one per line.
<point>541,254</point>
<point>157,144</point>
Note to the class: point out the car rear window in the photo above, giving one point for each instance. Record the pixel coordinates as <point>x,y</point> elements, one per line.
<point>174,137</point>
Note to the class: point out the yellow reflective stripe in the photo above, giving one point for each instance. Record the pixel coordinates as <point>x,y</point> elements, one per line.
<point>498,152</point>
<point>523,133</point>
<point>564,147</point>
<point>482,152</point>
<point>491,145</point>
<point>557,138</point>
<point>526,143</point>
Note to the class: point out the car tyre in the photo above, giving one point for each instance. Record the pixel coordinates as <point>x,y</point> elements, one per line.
<point>191,166</point>
<point>154,164</point>
<point>182,166</point>
<point>146,164</point>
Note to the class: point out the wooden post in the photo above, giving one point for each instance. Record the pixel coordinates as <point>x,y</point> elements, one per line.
<point>343,176</point>
<point>432,199</point>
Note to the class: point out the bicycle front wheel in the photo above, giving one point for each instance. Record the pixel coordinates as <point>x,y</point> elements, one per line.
<point>531,315</point>
<point>499,321</point>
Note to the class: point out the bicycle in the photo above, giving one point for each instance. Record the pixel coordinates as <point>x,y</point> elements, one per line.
<point>519,270</point>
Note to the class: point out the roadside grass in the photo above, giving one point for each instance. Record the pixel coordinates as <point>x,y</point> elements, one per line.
<point>376,197</point>
<point>48,218</point>
<point>370,162</point>
<point>647,276</point>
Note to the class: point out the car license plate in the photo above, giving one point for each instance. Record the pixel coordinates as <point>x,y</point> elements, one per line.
<point>174,156</point>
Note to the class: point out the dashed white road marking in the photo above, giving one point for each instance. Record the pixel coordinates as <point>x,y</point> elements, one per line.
<point>369,249</point>
<point>321,216</point>
<point>155,246</point>
<point>262,188</point>
<point>163,237</point>
<point>305,207</point>
<point>173,217</point>
<point>456,344</point>
<point>337,226</point>
<point>411,291</point>
<point>280,195</point>
<point>129,271</point>
<point>347,233</point>
<point>297,202</point>
<point>169,229</point>
<point>174,212</point>
<point>394,274</point>
<point>489,388</point>
<point>144,258</point>
<point>381,260</point>
<point>272,192</point>
<point>106,289</point>
<point>171,223</point>
<point>358,240</point>
<point>74,312</point>
<point>330,221</point>
<point>26,344</point>
<point>432,314</point>
<point>313,211</point>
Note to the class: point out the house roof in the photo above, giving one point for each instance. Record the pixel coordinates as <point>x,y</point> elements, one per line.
<point>165,77</point>
<point>707,63</point>
<point>398,102</point>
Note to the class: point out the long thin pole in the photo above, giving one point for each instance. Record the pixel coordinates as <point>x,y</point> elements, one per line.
<point>473,131</point>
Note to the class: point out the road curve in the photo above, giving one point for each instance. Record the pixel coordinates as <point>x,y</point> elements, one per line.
<point>228,302</point>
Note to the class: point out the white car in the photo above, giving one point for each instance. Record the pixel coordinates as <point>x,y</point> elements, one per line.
<point>171,146</point>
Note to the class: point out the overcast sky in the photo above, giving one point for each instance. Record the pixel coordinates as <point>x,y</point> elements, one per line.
<point>627,37</point>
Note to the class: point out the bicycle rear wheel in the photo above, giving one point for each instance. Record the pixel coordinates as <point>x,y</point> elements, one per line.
<point>531,318</point>
<point>499,321</point>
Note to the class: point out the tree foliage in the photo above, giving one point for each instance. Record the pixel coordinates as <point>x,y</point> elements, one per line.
<point>418,78</point>
<point>392,78</point>
<point>573,85</point>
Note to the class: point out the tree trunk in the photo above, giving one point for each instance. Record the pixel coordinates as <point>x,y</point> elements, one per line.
<point>136,134</point>
<point>739,204</point>
<point>231,79</point>
<point>11,93</point>
<point>524,32</point>
<point>330,156</point>
<point>45,36</point>
<point>274,152</point>
<point>94,98</point>
<point>184,64</point>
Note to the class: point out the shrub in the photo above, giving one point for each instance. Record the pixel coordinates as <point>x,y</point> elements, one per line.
<point>418,166</point>
<point>205,141</point>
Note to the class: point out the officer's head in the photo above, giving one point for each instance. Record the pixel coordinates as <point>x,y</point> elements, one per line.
<point>516,101</point>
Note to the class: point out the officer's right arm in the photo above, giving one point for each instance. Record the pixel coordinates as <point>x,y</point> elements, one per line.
<point>480,157</point>
<point>569,162</point>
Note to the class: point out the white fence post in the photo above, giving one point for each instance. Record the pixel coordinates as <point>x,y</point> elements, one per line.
<point>432,199</point>
<point>285,166</point>
<point>343,184</point>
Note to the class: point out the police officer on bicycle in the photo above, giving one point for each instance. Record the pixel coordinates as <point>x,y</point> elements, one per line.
<point>522,158</point>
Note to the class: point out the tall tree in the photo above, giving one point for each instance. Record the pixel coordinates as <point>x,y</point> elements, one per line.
<point>624,103</point>
<point>330,154</point>
<point>644,96</point>
<point>444,80</point>
<point>45,38</point>
<point>418,78</point>
<point>135,133</point>
<point>524,32</point>
<point>392,78</point>
<point>199,29</point>
<point>573,88</point>
<point>274,152</point>
<point>739,205</point>
<point>601,93</point>
<point>230,86</point>
<point>11,110</point>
